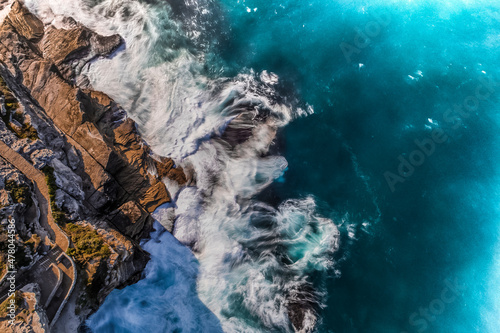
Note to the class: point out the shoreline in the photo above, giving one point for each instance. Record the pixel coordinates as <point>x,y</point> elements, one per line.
<point>84,156</point>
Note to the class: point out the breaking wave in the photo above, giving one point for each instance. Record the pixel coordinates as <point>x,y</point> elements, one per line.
<point>261,268</point>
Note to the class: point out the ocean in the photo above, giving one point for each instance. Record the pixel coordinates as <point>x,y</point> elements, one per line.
<point>345,155</point>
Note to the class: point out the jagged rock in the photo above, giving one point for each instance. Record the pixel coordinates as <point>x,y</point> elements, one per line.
<point>72,47</point>
<point>96,147</point>
<point>61,45</point>
<point>24,22</point>
<point>105,171</point>
<point>8,211</point>
<point>8,172</point>
<point>6,135</point>
<point>67,180</point>
<point>18,145</point>
<point>17,200</point>
<point>5,199</point>
<point>27,146</point>
<point>128,158</point>
<point>42,157</point>
<point>16,125</point>
<point>57,142</point>
<point>110,138</point>
<point>156,196</point>
<point>3,110</point>
<point>34,317</point>
<point>132,220</point>
<point>73,157</point>
<point>165,215</point>
<point>166,168</point>
<point>68,204</point>
<point>125,264</point>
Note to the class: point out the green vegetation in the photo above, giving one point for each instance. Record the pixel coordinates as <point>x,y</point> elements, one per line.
<point>12,106</point>
<point>19,302</point>
<point>28,131</point>
<point>58,215</point>
<point>88,244</point>
<point>11,102</point>
<point>19,193</point>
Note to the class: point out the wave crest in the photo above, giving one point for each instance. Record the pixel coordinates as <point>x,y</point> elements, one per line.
<point>261,268</point>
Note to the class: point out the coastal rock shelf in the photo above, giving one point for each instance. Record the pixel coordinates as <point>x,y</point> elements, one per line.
<point>102,177</point>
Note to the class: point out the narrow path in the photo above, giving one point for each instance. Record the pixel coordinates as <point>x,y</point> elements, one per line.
<point>41,191</point>
<point>47,221</point>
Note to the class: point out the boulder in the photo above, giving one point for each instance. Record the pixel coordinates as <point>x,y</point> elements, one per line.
<point>67,180</point>
<point>72,47</point>
<point>74,159</point>
<point>68,204</point>
<point>156,196</point>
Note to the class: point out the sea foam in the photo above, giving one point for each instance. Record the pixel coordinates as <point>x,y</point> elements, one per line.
<point>261,268</point>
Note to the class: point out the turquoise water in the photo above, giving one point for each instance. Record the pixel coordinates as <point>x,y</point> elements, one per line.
<point>441,223</point>
<point>396,165</point>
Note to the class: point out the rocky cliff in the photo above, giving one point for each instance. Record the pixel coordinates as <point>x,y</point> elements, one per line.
<point>105,176</point>
<point>31,316</point>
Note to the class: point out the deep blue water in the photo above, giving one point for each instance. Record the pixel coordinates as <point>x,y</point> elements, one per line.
<point>442,222</point>
<point>400,153</point>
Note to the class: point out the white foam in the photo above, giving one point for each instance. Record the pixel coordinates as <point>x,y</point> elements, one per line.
<point>5,11</point>
<point>254,259</point>
<point>165,301</point>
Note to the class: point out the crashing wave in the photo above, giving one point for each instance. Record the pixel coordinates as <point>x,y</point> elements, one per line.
<point>261,268</point>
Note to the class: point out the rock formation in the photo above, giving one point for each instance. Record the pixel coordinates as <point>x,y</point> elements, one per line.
<point>31,315</point>
<point>105,175</point>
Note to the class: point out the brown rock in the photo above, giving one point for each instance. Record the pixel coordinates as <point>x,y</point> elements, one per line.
<point>165,168</point>
<point>70,49</point>
<point>89,134</point>
<point>25,23</point>
<point>133,221</point>
<point>60,45</point>
<point>117,166</point>
<point>96,147</point>
<point>156,196</point>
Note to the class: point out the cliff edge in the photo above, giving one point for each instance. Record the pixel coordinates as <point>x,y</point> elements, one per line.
<point>104,180</point>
